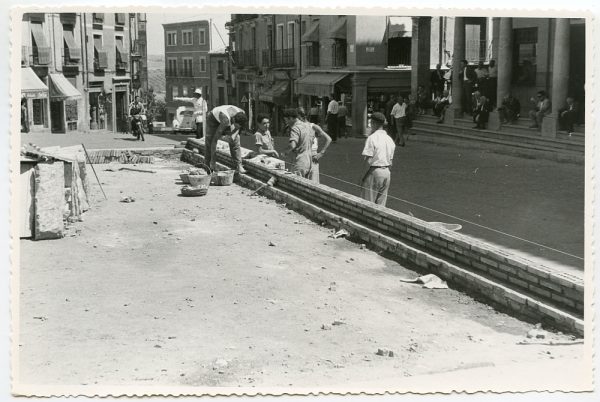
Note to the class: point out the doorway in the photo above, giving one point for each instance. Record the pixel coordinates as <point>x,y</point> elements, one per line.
<point>121,111</point>
<point>56,117</point>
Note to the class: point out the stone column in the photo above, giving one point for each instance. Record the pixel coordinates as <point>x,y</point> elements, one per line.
<point>359,105</point>
<point>560,75</point>
<point>455,109</point>
<point>505,64</point>
<point>420,53</point>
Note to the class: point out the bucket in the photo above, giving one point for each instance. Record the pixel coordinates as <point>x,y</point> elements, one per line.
<point>189,191</point>
<point>199,180</point>
<point>223,178</point>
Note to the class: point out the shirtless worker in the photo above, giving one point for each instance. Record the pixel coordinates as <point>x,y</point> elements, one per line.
<point>225,120</point>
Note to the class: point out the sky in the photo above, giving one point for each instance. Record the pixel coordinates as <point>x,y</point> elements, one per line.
<point>154,28</point>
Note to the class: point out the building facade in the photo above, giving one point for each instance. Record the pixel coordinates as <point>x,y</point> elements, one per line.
<point>219,90</point>
<point>187,47</point>
<point>83,60</point>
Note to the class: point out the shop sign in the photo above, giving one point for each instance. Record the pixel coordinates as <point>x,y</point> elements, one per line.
<point>34,94</point>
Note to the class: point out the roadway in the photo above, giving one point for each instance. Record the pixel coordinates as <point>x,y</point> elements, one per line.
<point>532,206</point>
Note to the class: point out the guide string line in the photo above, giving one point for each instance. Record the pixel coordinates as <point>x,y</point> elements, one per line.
<point>457,218</point>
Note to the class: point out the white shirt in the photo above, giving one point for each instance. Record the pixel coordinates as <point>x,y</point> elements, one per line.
<point>379,148</point>
<point>225,109</point>
<point>200,107</point>
<point>333,107</point>
<point>493,72</point>
<point>398,110</point>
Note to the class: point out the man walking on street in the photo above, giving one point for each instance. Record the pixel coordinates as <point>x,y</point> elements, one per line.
<point>399,115</point>
<point>332,118</point>
<point>301,140</point>
<point>225,120</point>
<point>378,154</point>
<point>200,109</point>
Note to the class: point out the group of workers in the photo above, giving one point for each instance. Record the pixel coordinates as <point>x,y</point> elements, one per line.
<point>226,122</point>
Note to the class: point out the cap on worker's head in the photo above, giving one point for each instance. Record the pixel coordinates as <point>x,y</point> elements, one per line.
<point>198,92</point>
<point>378,117</point>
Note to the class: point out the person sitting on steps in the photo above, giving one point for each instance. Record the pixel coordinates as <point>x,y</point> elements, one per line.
<point>542,108</point>
<point>510,110</point>
<point>481,113</point>
<point>441,105</point>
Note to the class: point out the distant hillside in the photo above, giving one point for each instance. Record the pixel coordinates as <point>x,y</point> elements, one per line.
<point>156,73</point>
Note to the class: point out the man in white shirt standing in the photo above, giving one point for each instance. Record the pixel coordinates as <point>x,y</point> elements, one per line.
<point>200,109</point>
<point>332,118</point>
<point>378,154</point>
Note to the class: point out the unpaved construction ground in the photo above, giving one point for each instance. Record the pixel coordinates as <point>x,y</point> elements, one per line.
<point>229,290</point>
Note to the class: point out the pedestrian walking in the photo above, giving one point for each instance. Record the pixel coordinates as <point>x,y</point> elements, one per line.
<point>300,144</point>
<point>378,154</point>
<point>399,115</point>
<point>24,116</point>
<point>227,121</point>
<point>316,154</point>
<point>200,110</point>
<point>332,118</point>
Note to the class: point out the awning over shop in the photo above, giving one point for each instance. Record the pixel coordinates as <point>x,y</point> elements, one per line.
<point>339,30</point>
<point>74,51</point>
<point>400,27</point>
<point>278,93</point>
<point>61,88</point>
<point>31,85</point>
<point>319,84</point>
<point>312,35</point>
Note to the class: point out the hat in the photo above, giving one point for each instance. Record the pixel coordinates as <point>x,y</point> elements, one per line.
<point>198,91</point>
<point>377,116</point>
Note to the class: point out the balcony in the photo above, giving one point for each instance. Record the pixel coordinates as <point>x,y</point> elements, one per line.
<point>135,49</point>
<point>70,65</point>
<point>284,58</point>
<point>266,58</point>
<point>171,72</point>
<point>339,54</point>
<point>244,58</point>
<point>36,56</point>
<point>220,75</point>
<point>186,72</point>
<point>312,55</point>
<point>98,67</point>
<point>121,65</point>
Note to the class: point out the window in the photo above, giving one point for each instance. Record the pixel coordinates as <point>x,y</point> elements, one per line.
<point>269,37</point>
<point>171,38</point>
<point>120,18</point>
<point>187,37</point>
<point>172,67</point>
<point>202,64</point>
<point>71,53</point>
<point>221,96</point>
<point>187,67</point>
<point>174,91</point>
<point>184,90</point>
<point>202,34</point>
<point>220,67</point>
<point>279,38</point>
<point>525,56</point>
<point>291,35</point>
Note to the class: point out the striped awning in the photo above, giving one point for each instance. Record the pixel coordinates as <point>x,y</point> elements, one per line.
<point>319,84</point>
<point>71,45</point>
<point>61,88</point>
<point>312,35</point>
<point>339,30</point>
<point>31,85</point>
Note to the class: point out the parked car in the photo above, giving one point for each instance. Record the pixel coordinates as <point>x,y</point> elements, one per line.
<point>184,120</point>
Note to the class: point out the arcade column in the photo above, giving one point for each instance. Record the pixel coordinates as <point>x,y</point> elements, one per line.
<point>420,53</point>
<point>359,105</point>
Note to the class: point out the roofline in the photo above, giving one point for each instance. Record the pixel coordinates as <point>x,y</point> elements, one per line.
<point>170,24</point>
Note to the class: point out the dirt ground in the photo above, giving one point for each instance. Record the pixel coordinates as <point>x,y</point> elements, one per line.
<point>229,290</point>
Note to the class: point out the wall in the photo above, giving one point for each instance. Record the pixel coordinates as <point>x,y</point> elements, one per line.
<point>369,39</point>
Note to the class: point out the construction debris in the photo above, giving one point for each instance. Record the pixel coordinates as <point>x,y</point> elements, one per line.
<point>430,281</point>
<point>340,233</point>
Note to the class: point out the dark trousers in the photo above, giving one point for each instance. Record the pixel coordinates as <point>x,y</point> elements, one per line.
<point>566,120</point>
<point>332,126</point>
<point>467,88</point>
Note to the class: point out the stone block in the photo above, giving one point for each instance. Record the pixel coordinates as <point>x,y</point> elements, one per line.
<point>49,200</point>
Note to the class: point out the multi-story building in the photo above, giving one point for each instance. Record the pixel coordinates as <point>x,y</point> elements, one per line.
<point>187,46</point>
<point>139,54</point>
<point>83,60</point>
<point>219,90</point>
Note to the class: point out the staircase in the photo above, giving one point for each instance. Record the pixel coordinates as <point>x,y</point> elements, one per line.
<point>511,138</point>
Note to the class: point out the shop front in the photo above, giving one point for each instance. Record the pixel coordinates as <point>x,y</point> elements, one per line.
<point>315,89</point>
<point>34,101</point>
<point>273,98</point>
<point>64,98</point>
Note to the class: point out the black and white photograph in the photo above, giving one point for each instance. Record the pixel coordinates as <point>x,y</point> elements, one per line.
<point>212,203</point>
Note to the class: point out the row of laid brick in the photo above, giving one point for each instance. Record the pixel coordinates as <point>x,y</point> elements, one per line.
<point>513,271</point>
<point>472,283</point>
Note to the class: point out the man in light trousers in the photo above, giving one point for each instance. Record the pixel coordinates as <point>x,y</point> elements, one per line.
<point>378,154</point>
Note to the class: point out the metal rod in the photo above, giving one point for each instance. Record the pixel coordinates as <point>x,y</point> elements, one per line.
<point>94,170</point>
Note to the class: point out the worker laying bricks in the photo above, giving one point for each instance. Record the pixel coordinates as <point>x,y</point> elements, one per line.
<point>225,120</point>
<point>378,154</point>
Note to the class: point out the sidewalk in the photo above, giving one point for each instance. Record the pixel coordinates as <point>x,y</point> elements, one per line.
<point>229,290</point>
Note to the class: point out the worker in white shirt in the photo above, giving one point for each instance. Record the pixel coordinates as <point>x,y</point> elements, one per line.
<point>227,121</point>
<point>200,109</point>
<point>332,118</point>
<point>378,154</point>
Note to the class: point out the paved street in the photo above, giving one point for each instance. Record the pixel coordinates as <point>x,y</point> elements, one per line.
<point>534,199</point>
